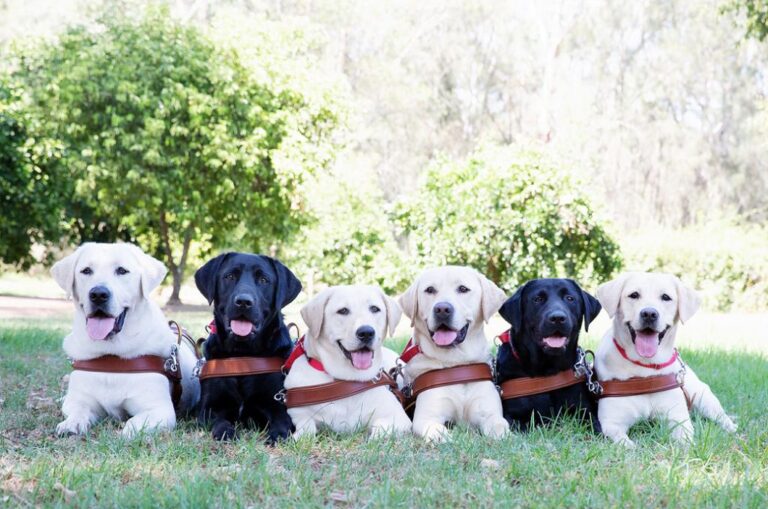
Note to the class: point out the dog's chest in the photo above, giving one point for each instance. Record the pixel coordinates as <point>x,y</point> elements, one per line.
<point>118,393</point>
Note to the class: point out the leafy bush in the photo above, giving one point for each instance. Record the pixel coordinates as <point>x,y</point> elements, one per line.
<point>510,214</point>
<point>350,242</point>
<point>725,261</point>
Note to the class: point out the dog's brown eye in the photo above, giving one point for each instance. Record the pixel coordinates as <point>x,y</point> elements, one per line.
<point>374,309</point>
<point>634,295</point>
<point>121,271</point>
<point>230,276</point>
<point>665,297</point>
<point>462,289</point>
<point>343,311</point>
<point>538,299</point>
<point>263,280</point>
<point>569,298</point>
<point>430,290</point>
<point>86,271</point>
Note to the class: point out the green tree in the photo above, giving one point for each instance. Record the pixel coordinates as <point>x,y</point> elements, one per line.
<point>511,215</point>
<point>756,12</point>
<point>171,137</point>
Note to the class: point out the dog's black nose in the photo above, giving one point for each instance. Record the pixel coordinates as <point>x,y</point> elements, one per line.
<point>557,318</point>
<point>365,333</point>
<point>99,294</point>
<point>243,301</point>
<point>649,315</point>
<point>443,310</point>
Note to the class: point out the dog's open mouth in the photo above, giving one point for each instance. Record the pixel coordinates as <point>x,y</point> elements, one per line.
<point>240,327</point>
<point>101,325</point>
<point>360,359</point>
<point>646,340</point>
<point>445,336</point>
<point>555,341</point>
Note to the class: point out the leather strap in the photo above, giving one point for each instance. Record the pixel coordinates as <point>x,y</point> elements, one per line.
<point>333,391</point>
<point>141,364</point>
<point>240,366</point>
<point>529,386</point>
<point>478,372</point>
<point>639,385</point>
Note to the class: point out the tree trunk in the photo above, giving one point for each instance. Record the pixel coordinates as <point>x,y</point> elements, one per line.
<point>177,270</point>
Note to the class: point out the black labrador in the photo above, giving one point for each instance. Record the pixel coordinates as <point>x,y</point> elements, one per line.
<point>248,293</point>
<point>546,317</point>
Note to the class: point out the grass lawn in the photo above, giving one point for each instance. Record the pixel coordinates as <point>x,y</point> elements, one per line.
<point>562,465</point>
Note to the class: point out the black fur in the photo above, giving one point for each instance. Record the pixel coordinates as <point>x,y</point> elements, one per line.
<point>529,311</point>
<point>247,399</point>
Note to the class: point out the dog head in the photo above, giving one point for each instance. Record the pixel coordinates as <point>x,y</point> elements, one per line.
<point>248,292</point>
<point>107,281</point>
<point>347,325</point>
<point>646,308</point>
<point>546,315</point>
<point>448,306</point>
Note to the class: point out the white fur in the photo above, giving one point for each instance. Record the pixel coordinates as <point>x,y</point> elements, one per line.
<point>377,409</point>
<point>476,403</point>
<point>618,414</point>
<point>144,399</point>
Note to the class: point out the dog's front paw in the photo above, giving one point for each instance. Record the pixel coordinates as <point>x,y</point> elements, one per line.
<point>275,436</point>
<point>727,424</point>
<point>224,430</point>
<point>497,429</point>
<point>73,426</point>
<point>436,434</point>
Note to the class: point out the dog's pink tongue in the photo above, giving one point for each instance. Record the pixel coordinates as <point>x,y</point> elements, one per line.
<point>362,359</point>
<point>241,327</point>
<point>99,327</point>
<point>555,341</point>
<point>444,337</point>
<point>646,344</point>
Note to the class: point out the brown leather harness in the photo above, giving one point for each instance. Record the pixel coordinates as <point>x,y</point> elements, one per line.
<point>331,391</point>
<point>644,385</point>
<point>466,373</point>
<point>168,367</point>
<point>336,390</point>
<point>530,386</point>
<point>240,366</point>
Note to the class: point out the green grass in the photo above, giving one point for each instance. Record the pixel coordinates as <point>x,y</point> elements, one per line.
<point>561,465</point>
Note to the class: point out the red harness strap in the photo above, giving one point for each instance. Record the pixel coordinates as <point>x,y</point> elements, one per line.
<point>410,351</point>
<point>644,364</point>
<point>506,338</point>
<point>297,352</point>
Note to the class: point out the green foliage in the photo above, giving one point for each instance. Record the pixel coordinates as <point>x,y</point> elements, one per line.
<point>756,12</point>
<point>511,215</point>
<point>726,262</point>
<point>351,242</point>
<point>171,137</point>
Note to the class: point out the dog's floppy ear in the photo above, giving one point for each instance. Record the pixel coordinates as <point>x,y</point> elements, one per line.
<point>153,271</point>
<point>409,302</point>
<point>688,301</point>
<point>492,298</point>
<point>609,294</point>
<point>205,276</point>
<point>591,305</point>
<point>63,272</point>
<point>393,313</point>
<point>288,285</point>
<point>313,312</point>
<point>512,309</point>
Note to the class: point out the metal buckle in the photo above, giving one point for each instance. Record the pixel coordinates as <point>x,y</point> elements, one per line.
<point>171,364</point>
<point>198,367</point>
<point>584,367</point>
<point>280,396</point>
<point>680,375</point>
<point>378,375</point>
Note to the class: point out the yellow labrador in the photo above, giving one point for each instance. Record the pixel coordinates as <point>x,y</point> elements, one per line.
<point>110,285</point>
<point>448,307</point>
<point>346,328</point>
<point>646,309</point>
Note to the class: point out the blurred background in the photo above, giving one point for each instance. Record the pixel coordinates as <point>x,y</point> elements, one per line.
<point>360,141</point>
